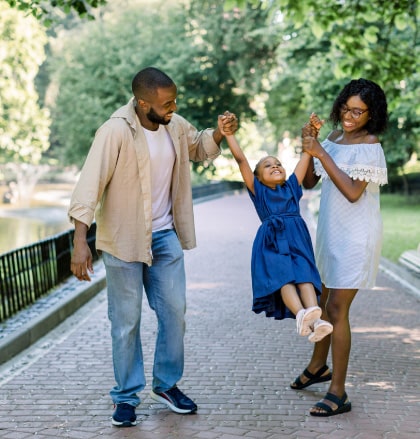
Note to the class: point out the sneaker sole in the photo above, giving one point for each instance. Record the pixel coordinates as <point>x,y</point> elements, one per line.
<point>309,317</point>
<point>168,403</point>
<point>320,332</point>
<point>123,423</point>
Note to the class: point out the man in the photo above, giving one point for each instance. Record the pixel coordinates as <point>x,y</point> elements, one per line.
<point>137,179</point>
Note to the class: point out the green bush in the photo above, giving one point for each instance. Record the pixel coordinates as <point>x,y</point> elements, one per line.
<point>401,218</point>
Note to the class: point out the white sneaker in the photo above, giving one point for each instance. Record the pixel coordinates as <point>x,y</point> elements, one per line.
<point>321,330</point>
<point>305,319</point>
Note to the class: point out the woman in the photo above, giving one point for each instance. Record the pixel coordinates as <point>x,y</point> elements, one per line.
<point>352,166</point>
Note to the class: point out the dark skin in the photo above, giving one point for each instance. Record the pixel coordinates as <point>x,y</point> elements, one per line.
<point>153,109</point>
<point>353,132</point>
<point>335,303</point>
<point>162,104</point>
<point>271,173</point>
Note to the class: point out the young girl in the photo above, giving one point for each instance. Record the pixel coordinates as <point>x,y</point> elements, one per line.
<point>285,280</point>
<point>352,166</point>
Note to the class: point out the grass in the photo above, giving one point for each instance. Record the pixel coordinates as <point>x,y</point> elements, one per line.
<point>401,218</point>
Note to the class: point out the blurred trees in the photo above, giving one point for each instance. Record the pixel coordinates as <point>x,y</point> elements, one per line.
<point>49,11</point>
<point>216,58</point>
<point>24,125</point>
<point>326,44</point>
<point>270,61</point>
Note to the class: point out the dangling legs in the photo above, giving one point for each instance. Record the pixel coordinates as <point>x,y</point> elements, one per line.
<point>305,309</point>
<point>307,295</point>
<point>320,328</point>
<point>292,300</point>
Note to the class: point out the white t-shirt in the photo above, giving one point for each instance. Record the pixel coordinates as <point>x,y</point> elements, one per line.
<point>162,159</point>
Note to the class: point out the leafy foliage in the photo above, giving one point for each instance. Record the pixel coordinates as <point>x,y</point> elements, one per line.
<point>217,60</point>
<point>327,44</point>
<point>24,126</point>
<point>231,53</point>
<point>48,11</point>
<point>263,59</point>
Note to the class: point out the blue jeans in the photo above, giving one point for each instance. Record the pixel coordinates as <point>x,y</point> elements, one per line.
<point>164,284</point>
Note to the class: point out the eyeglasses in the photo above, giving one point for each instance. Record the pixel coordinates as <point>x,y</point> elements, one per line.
<point>355,112</point>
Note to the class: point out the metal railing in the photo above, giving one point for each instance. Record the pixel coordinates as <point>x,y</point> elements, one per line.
<point>28,273</point>
<point>31,272</point>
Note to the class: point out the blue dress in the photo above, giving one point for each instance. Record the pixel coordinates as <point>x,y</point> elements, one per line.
<point>282,251</point>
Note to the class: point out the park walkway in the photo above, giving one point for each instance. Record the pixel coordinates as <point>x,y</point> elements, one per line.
<point>238,364</point>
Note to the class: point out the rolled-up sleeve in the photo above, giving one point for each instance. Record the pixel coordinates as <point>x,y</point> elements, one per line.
<point>201,144</point>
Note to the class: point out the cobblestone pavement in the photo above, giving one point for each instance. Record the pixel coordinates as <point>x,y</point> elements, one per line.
<point>238,364</point>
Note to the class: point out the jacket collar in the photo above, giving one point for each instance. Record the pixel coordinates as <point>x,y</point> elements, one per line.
<point>128,113</point>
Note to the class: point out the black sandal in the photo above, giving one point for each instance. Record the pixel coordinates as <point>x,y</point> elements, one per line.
<point>343,405</point>
<point>312,378</point>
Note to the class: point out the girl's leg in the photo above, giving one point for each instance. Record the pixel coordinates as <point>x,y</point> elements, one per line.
<point>291,298</point>
<point>308,295</point>
<point>338,307</point>
<point>320,328</point>
<point>305,317</point>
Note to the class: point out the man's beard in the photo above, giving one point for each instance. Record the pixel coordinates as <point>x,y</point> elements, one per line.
<point>155,118</point>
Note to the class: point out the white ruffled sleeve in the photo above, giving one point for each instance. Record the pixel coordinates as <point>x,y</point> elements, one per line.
<point>363,161</point>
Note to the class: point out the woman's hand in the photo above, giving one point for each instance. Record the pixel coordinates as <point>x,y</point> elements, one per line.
<point>308,130</point>
<point>316,123</point>
<point>311,145</point>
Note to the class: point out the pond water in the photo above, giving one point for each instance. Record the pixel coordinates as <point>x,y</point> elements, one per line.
<point>20,227</point>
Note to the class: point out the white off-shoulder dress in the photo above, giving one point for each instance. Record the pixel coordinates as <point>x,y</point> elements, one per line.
<point>349,235</point>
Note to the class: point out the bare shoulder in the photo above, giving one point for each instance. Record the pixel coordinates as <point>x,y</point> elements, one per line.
<point>370,138</point>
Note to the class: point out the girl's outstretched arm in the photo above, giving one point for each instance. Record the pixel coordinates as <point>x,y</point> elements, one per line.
<point>310,179</point>
<point>302,166</point>
<point>239,156</point>
<point>246,171</point>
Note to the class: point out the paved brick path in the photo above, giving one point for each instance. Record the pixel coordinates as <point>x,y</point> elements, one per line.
<point>238,364</point>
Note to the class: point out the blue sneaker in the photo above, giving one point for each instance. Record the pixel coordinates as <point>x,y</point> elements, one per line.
<point>124,415</point>
<point>175,400</point>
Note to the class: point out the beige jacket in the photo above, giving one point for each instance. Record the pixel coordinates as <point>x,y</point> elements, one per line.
<point>115,184</point>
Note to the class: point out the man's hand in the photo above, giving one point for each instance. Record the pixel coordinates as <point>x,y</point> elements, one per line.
<point>228,123</point>
<point>81,261</point>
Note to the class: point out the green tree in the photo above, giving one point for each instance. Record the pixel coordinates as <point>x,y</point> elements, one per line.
<point>92,66</point>
<point>326,44</point>
<point>50,11</point>
<point>216,59</point>
<point>24,126</point>
<point>226,57</point>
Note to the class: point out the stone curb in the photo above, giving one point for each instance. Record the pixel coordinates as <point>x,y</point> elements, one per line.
<point>36,328</point>
<point>402,275</point>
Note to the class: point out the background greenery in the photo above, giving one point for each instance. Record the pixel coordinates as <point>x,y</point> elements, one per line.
<point>400,216</point>
<point>67,65</point>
